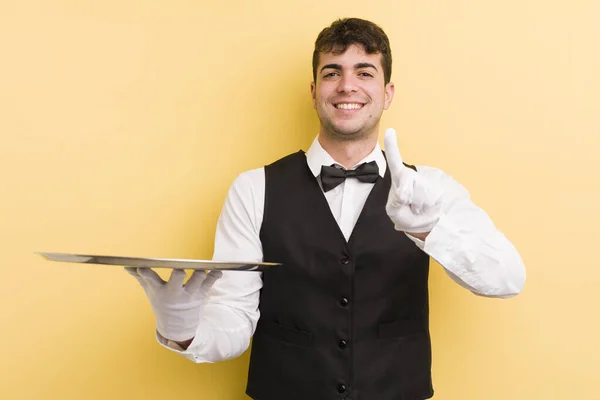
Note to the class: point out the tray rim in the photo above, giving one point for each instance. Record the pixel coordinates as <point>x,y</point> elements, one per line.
<point>184,263</point>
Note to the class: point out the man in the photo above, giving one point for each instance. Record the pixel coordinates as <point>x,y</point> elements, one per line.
<point>346,316</point>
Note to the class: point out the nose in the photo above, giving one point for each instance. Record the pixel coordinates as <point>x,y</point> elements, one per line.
<point>347,84</point>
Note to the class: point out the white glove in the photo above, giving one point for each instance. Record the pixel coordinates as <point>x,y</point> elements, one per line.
<point>414,202</point>
<point>176,306</point>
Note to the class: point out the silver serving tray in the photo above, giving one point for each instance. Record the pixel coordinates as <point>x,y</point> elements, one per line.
<point>172,263</point>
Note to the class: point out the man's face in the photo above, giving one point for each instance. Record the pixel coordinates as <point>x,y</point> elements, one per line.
<point>350,94</point>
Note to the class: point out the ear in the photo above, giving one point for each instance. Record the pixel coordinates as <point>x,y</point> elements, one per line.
<point>389,95</point>
<point>313,90</point>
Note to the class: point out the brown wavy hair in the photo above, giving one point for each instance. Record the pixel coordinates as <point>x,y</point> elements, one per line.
<point>345,32</point>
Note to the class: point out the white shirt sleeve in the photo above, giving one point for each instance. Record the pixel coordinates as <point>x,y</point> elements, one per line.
<point>466,243</point>
<point>230,315</point>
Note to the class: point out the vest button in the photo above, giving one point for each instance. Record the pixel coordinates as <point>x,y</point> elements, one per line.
<point>345,261</point>
<point>344,301</point>
<point>342,344</point>
<point>341,388</point>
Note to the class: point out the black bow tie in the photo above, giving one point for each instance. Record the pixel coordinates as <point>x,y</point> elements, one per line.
<point>332,176</point>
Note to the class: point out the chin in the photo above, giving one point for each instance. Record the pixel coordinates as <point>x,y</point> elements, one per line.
<point>352,131</point>
<point>348,129</point>
<point>348,134</point>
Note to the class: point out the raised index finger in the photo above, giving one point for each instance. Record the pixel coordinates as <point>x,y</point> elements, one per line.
<point>394,159</point>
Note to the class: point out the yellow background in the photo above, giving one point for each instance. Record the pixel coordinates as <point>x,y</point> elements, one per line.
<point>110,113</point>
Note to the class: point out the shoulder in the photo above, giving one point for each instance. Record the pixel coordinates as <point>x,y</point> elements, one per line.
<point>253,181</point>
<point>428,170</point>
<point>249,181</point>
<point>438,177</point>
<point>290,159</point>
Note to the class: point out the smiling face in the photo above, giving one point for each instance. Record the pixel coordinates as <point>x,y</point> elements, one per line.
<point>350,93</point>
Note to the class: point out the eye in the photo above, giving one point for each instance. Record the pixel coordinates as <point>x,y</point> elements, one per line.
<point>331,74</point>
<point>366,74</point>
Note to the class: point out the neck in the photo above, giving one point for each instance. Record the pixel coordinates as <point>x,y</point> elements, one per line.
<point>347,152</point>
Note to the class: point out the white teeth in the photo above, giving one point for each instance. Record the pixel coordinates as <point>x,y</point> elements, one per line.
<point>348,106</point>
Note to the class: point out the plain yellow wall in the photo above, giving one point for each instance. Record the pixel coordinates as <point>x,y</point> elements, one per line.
<point>123,123</point>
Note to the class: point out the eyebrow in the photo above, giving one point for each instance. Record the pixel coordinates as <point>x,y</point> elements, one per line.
<point>356,66</point>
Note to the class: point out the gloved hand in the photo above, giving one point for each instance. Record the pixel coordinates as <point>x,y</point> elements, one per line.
<point>176,306</point>
<point>414,202</point>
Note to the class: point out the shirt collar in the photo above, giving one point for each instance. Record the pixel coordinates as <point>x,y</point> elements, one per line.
<point>316,156</point>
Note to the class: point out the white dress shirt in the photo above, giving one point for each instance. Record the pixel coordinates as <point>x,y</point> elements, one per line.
<point>465,242</point>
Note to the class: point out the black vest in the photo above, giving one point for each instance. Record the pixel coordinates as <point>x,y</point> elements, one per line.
<point>339,320</point>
